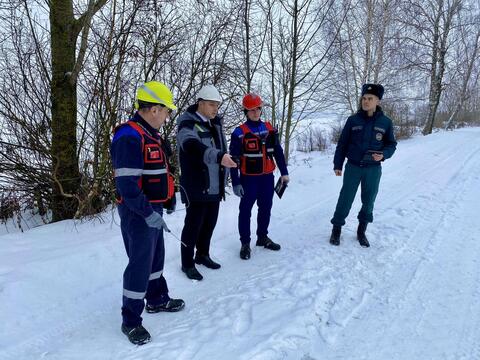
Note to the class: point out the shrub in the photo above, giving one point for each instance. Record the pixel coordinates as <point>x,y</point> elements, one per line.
<point>312,140</point>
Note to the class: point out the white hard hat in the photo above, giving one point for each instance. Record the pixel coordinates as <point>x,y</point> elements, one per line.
<point>209,92</point>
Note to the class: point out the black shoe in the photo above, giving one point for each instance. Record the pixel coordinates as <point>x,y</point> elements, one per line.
<point>192,273</point>
<point>245,252</point>
<point>335,237</point>
<point>362,238</point>
<point>267,243</point>
<point>207,261</point>
<point>137,335</point>
<point>172,305</point>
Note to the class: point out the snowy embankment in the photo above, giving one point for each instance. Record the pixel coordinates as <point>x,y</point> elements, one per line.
<point>414,294</point>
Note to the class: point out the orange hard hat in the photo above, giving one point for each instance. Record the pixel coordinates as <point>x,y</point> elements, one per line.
<point>252,101</point>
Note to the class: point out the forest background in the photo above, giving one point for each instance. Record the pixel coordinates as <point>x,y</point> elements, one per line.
<point>69,71</point>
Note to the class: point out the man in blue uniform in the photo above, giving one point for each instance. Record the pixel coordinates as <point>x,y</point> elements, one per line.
<point>255,143</point>
<point>366,140</point>
<point>144,184</point>
<point>202,149</point>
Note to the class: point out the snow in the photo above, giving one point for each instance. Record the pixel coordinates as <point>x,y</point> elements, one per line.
<point>412,295</point>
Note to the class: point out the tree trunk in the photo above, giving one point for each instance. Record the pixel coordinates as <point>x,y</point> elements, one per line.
<point>434,92</point>
<point>65,172</point>
<point>272,62</point>
<point>440,46</point>
<point>246,21</point>
<point>463,94</point>
<point>293,79</point>
<point>433,101</point>
<point>381,41</point>
<point>368,43</point>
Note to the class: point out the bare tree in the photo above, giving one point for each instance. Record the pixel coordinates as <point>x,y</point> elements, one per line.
<point>429,24</point>
<point>304,53</point>
<point>254,38</point>
<point>366,50</point>
<point>467,56</point>
<point>25,134</point>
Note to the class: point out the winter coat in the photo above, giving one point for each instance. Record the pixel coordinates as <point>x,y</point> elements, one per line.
<point>362,134</point>
<point>201,146</point>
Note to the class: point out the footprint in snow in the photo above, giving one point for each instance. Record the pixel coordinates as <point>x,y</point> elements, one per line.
<point>242,320</point>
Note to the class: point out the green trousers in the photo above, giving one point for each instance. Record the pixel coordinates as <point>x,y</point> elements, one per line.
<point>369,178</point>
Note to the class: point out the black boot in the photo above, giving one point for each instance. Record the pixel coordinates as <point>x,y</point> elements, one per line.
<point>172,305</point>
<point>267,243</point>
<point>192,273</point>
<point>137,335</point>
<point>207,261</point>
<point>245,252</point>
<point>362,238</point>
<point>335,237</point>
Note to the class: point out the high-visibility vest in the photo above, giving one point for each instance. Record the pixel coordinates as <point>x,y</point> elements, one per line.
<point>156,182</point>
<point>257,152</point>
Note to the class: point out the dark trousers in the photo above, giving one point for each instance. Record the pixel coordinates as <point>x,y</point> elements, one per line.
<point>369,178</point>
<point>256,189</point>
<point>143,276</point>
<point>200,222</point>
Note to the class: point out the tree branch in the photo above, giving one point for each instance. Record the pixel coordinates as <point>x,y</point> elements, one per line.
<point>83,24</point>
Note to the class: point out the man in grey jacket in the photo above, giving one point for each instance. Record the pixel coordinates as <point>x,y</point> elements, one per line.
<point>203,158</point>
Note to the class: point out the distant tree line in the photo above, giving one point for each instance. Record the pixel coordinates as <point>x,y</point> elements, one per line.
<point>69,70</point>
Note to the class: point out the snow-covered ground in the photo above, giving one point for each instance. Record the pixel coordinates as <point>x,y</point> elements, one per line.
<point>414,294</point>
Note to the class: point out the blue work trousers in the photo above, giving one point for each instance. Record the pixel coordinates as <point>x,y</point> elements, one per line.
<point>258,189</point>
<point>143,276</point>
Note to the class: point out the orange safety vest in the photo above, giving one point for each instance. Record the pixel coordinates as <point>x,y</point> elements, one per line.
<point>257,152</point>
<point>156,182</point>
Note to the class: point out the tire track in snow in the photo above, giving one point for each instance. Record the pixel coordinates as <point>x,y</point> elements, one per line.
<point>398,253</point>
<point>411,281</point>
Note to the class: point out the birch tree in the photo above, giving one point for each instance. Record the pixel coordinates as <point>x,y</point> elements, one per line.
<point>302,54</point>
<point>468,59</point>
<point>429,24</point>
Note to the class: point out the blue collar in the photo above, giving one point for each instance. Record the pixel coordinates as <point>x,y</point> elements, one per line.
<point>254,124</point>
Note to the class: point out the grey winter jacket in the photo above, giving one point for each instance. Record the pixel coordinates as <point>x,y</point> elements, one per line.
<point>201,146</point>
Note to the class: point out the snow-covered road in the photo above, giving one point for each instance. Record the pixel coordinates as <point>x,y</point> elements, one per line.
<point>414,294</point>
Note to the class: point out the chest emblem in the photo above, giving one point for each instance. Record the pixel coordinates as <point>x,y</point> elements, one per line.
<point>379,136</point>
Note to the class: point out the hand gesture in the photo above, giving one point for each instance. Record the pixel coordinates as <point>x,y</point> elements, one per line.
<point>228,162</point>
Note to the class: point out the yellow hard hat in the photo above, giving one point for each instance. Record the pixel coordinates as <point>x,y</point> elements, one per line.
<point>155,92</point>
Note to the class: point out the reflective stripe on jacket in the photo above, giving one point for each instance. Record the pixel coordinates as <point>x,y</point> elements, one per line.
<point>257,151</point>
<point>149,169</point>
<point>201,146</point>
